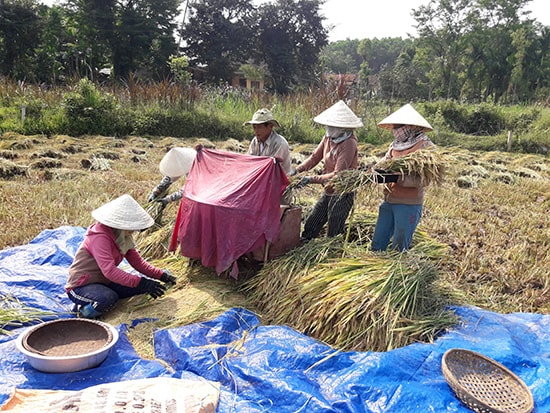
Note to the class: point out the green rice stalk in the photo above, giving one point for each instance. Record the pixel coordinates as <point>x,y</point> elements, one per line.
<point>14,314</point>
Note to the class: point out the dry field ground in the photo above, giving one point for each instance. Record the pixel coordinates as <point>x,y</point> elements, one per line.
<point>492,213</point>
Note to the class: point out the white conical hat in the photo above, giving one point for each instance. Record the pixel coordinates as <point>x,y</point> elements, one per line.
<point>405,115</point>
<point>177,162</point>
<point>123,213</point>
<point>339,115</point>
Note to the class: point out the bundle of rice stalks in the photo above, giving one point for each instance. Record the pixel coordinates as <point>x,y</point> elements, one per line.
<point>14,314</point>
<point>272,290</point>
<point>429,165</point>
<point>373,302</point>
<point>353,299</point>
<point>352,180</point>
<point>153,244</point>
<point>155,209</point>
<point>290,190</point>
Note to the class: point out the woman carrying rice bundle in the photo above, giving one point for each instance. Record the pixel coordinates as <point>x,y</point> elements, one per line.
<point>338,152</point>
<point>400,212</point>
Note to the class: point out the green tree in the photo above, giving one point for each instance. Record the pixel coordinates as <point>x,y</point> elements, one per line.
<point>20,26</point>
<point>290,39</point>
<point>52,47</point>
<point>144,36</point>
<point>219,35</point>
<point>341,57</point>
<point>178,68</point>
<point>90,26</point>
<point>129,35</point>
<point>441,25</point>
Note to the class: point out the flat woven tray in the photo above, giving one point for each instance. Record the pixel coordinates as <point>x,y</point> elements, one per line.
<point>67,337</point>
<point>484,385</point>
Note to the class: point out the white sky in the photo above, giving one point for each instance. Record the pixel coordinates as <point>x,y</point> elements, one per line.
<point>361,19</point>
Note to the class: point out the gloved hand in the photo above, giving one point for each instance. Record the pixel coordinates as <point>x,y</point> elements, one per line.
<point>303,182</point>
<point>381,176</point>
<point>154,288</point>
<point>163,202</point>
<point>152,197</point>
<point>168,278</point>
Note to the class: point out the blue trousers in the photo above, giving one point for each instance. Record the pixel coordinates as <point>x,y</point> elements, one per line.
<point>100,298</point>
<point>396,222</point>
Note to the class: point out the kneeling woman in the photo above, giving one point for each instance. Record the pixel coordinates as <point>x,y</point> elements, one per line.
<point>95,282</point>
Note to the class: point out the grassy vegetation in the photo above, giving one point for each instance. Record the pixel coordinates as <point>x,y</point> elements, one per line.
<point>490,213</point>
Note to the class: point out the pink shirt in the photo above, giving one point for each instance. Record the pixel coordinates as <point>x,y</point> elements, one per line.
<point>98,257</point>
<point>336,157</point>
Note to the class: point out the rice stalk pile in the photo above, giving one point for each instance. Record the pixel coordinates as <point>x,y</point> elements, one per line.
<point>274,290</point>
<point>360,229</point>
<point>428,164</point>
<point>9,169</point>
<point>199,295</point>
<point>353,299</point>
<point>14,314</point>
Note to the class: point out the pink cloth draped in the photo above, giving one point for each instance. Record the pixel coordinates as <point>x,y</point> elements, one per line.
<point>230,206</point>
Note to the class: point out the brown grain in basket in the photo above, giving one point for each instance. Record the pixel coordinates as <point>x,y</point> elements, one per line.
<point>67,337</point>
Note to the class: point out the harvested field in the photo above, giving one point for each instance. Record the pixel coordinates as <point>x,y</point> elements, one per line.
<point>490,213</point>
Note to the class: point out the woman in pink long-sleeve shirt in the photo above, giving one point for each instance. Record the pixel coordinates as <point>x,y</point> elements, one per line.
<point>338,151</point>
<point>95,281</point>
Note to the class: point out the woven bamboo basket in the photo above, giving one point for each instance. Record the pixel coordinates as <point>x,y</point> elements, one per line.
<point>484,385</point>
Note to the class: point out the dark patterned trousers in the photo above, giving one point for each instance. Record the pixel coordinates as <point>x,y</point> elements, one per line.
<point>331,209</point>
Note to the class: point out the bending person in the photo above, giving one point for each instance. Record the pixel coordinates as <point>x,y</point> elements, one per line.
<point>176,163</point>
<point>95,282</point>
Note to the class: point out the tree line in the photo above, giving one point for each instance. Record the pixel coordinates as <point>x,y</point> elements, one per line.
<point>466,50</point>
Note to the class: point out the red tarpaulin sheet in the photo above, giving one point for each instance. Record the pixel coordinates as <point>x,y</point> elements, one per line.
<point>230,206</point>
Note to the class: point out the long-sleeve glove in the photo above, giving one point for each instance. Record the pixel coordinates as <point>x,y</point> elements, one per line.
<point>154,288</point>
<point>163,202</point>
<point>303,182</point>
<point>168,278</point>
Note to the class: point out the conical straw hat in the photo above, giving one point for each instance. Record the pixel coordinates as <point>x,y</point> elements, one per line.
<point>339,115</point>
<point>123,213</point>
<point>405,115</point>
<point>177,162</point>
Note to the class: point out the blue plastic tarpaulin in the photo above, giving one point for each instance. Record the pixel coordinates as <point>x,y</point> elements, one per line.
<point>266,367</point>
